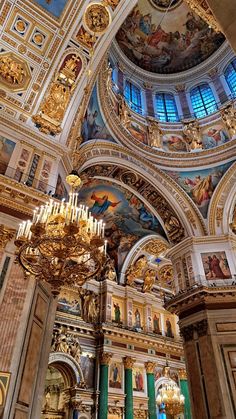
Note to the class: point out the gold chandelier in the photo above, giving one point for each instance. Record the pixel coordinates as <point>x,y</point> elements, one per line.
<point>63,244</point>
<point>169,396</point>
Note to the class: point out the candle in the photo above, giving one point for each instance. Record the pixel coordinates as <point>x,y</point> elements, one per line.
<point>105,247</point>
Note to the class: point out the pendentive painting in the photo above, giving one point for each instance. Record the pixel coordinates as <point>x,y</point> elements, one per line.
<point>177,42</point>
<point>6,150</point>
<point>216,265</point>
<point>214,136</point>
<point>55,7</point>
<point>200,184</point>
<point>115,378</point>
<point>93,126</point>
<point>127,218</point>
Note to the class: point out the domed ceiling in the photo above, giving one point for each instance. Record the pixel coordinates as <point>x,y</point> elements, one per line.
<point>164,36</point>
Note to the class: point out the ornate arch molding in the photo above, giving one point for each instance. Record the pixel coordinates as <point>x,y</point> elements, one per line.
<point>161,381</point>
<point>68,367</point>
<point>105,159</point>
<point>222,203</point>
<point>166,159</point>
<point>140,248</point>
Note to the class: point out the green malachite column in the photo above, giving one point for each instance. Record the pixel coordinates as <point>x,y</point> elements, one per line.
<point>103,385</point>
<point>150,366</point>
<point>128,365</point>
<point>184,390</point>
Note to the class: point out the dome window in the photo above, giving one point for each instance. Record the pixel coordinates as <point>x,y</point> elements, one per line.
<point>230,76</point>
<point>203,100</point>
<point>165,107</point>
<point>133,97</point>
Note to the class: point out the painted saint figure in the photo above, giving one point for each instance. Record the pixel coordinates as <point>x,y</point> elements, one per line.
<point>101,204</point>
<point>137,318</point>
<point>169,332</point>
<point>156,327</point>
<point>117,313</point>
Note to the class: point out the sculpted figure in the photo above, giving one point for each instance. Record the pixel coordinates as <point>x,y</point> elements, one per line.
<point>55,105</point>
<point>154,133</point>
<point>110,272</point>
<point>192,135</point>
<point>11,71</point>
<point>136,270</point>
<point>228,116</point>
<point>123,111</point>
<point>149,280</point>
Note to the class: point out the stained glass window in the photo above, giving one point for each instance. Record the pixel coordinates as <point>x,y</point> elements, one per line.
<point>203,100</point>
<point>165,107</point>
<point>133,97</point>
<point>230,76</point>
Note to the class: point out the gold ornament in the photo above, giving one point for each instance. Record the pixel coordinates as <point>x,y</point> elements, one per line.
<point>14,72</point>
<point>182,374</point>
<point>150,366</point>
<point>136,270</point>
<point>97,18</point>
<point>228,115</point>
<point>165,275</point>
<point>154,132</point>
<point>6,235</point>
<point>105,358</point>
<point>149,280</point>
<point>155,247</point>
<point>128,362</point>
<point>192,135</point>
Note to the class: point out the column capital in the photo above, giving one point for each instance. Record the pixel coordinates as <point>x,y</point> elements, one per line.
<point>182,374</point>
<point>105,358</point>
<point>6,234</point>
<point>128,362</point>
<point>150,366</point>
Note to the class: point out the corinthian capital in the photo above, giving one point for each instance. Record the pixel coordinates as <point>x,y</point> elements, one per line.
<point>128,362</point>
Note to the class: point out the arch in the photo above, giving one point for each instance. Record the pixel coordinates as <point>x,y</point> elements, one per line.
<point>161,381</point>
<point>222,203</point>
<point>103,153</point>
<point>136,249</point>
<point>203,100</point>
<point>69,368</point>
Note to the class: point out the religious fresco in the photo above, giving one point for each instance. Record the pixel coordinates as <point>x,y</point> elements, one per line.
<point>60,191</point>
<point>138,379</point>
<point>127,218</point>
<point>176,43</point>
<point>169,329</point>
<point>200,184</point>
<point>137,318</point>
<point>93,125</point>
<point>6,150</point>
<point>173,142</point>
<point>214,136</point>
<point>87,363</point>
<point>55,7</point>
<point>69,302</point>
<point>156,323</point>
<point>117,311</point>
<point>115,376</point>
<point>165,5</point>
<point>216,265</point>
<point>138,132</point>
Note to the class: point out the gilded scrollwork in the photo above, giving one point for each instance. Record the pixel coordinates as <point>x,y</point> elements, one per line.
<point>136,270</point>
<point>6,235</point>
<point>149,280</point>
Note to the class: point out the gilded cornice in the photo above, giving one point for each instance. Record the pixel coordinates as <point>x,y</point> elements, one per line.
<point>162,158</point>
<point>108,151</point>
<point>219,199</point>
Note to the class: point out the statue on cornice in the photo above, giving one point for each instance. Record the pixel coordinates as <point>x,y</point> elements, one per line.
<point>124,112</point>
<point>149,280</point>
<point>154,133</point>
<point>228,116</point>
<point>136,270</point>
<point>108,76</point>
<point>192,135</point>
<point>110,272</point>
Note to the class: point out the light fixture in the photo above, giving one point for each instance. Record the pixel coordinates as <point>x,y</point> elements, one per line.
<point>63,244</point>
<point>170,397</point>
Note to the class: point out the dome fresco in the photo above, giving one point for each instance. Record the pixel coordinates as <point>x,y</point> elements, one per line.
<point>166,40</point>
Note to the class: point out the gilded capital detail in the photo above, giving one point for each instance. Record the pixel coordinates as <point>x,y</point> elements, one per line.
<point>105,358</point>
<point>150,366</point>
<point>182,374</point>
<point>6,235</point>
<point>129,362</point>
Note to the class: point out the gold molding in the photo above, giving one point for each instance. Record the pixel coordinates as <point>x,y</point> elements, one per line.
<point>6,235</point>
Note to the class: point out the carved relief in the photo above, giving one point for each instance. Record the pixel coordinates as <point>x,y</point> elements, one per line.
<point>149,280</point>
<point>6,235</point>
<point>65,342</point>
<point>14,72</point>
<point>228,115</point>
<point>136,270</point>
<point>53,107</point>
<point>85,38</point>
<point>97,18</point>
<point>166,276</point>
<point>154,133</point>
<point>192,135</point>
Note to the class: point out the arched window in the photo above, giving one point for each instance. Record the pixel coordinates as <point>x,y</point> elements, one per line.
<point>230,76</point>
<point>133,97</point>
<point>165,107</point>
<point>203,100</point>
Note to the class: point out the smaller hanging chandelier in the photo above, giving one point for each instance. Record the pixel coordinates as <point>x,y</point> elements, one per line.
<point>63,244</point>
<point>170,397</point>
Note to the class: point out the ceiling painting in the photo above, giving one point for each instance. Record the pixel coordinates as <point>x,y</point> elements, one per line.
<point>200,184</point>
<point>93,125</point>
<point>164,5</point>
<point>127,218</point>
<point>175,43</point>
<point>55,7</point>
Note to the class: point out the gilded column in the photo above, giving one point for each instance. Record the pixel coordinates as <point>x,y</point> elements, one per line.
<point>103,385</point>
<point>185,391</point>
<point>150,366</point>
<point>128,365</point>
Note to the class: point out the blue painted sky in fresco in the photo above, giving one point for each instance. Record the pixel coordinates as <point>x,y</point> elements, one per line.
<point>55,7</point>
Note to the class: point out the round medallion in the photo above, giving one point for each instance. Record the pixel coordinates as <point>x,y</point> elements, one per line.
<point>20,26</point>
<point>164,5</point>
<point>38,38</point>
<point>97,18</point>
